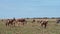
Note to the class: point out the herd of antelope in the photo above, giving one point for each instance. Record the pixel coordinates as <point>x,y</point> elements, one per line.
<point>24,21</point>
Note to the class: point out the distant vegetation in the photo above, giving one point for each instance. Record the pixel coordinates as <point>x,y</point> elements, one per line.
<point>45,18</point>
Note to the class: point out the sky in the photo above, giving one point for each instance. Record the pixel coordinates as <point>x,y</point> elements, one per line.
<point>29,8</point>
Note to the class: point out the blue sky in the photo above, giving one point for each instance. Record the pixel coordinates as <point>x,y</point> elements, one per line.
<point>29,8</point>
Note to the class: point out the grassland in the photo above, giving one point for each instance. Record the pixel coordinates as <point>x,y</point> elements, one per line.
<point>31,28</point>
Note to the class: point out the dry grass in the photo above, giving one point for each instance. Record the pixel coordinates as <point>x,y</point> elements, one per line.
<point>30,28</point>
